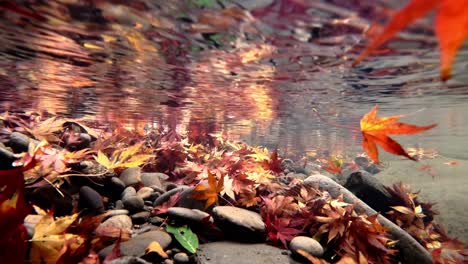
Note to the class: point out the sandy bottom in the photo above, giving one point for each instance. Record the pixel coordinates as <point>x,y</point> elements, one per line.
<point>442,181</point>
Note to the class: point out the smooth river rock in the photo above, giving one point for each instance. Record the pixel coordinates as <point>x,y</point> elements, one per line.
<point>307,244</point>
<point>239,224</point>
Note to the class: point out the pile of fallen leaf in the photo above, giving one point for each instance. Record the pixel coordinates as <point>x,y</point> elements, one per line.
<point>221,171</point>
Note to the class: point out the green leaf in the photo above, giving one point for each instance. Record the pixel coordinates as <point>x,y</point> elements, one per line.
<point>184,236</point>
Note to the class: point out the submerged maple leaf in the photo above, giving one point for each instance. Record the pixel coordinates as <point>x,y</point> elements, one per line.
<point>451,26</point>
<point>210,192</point>
<point>375,132</point>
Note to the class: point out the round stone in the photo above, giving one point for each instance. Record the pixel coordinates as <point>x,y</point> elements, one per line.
<point>91,200</point>
<point>239,217</point>
<point>307,244</point>
<point>131,176</point>
<point>118,221</point>
<point>133,203</point>
<point>181,258</point>
<point>145,193</point>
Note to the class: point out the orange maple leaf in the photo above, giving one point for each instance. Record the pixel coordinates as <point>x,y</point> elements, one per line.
<point>375,132</point>
<point>210,192</point>
<point>451,28</point>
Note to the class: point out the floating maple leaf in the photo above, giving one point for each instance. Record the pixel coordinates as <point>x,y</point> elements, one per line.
<point>279,229</point>
<point>375,132</point>
<point>210,192</point>
<point>451,26</point>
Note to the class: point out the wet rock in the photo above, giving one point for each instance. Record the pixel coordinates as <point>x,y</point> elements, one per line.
<point>369,189</point>
<point>128,260</point>
<point>237,253</point>
<point>153,179</point>
<point>92,167</point>
<point>168,261</point>
<point>115,212</point>
<point>47,197</point>
<point>156,220</point>
<point>78,142</point>
<point>171,186</point>
<point>141,217</point>
<point>7,159</point>
<point>165,196</point>
<point>181,258</point>
<point>119,205</point>
<point>136,246</point>
<point>128,192</point>
<point>116,185</point>
<point>157,189</point>
<point>133,203</point>
<point>145,193</point>
<point>307,244</point>
<point>238,223</point>
<point>20,142</point>
<point>131,176</point>
<point>91,200</point>
<point>410,250</point>
<point>186,215</point>
<point>186,200</point>
<point>118,221</point>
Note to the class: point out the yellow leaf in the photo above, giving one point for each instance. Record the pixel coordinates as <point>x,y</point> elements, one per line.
<point>92,46</point>
<point>49,238</point>
<point>124,158</point>
<point>156,247</point>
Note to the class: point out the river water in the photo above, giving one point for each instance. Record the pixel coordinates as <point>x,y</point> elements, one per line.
<point>254,70</point>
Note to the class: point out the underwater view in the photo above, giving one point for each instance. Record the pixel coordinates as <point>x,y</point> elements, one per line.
<point>233,131</point>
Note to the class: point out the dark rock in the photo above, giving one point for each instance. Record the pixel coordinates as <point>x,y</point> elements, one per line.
<point>128,260</point>
<point>362,161</point>
<point>171,186</point>
<point>237,253</point>
<point>47,197</point>
<point>152,179</point>
<point>91,200</point>
<point>181,258</point>
<point>369,189</point>
<point>77,142</point>
<point>131,176</point>
<point>186,200</point>
<point>117,186</point>
<point>136,246</point>
<point>188,216</point>
<point>307,244</point>
<point>145,193</point>
<point>140,218</point>
<point>372,169</point>
<point>410,250</point>
<point>119,205</point>
<point>165,196</point>
<point>128,192</point>
<point>239,224</point>
<point>133,203</point>
<point>19,142</point>
<point>156,220</point>
<point>7,158</point>
<point>118,221</point>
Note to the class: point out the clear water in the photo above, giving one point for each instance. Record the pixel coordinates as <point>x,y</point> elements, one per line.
<point>254,75</point>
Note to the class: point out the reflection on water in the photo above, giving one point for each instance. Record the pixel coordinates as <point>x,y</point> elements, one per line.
<point>252,69</point>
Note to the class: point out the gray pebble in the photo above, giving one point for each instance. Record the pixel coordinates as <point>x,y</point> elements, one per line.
<point>129,191</point>
<point>131,176</point>
<point>307,244</point>
<point>133,203</point>
<point>181,258</point>
<point>145,193</point>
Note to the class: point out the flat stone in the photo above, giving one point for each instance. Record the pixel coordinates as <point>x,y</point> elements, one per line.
<point>114,212</point>
<point>131,176</point>
<point>118,221</point>
<point>238,253</point>
<point>141,217</point>
<point>91,199</point>
<point>240,217</point>
<point>153,179</point>
<point>133,203</point>
<point>145,193</point>
<point>187,215</point>
<point>138,244</point>
<point>307,244</point>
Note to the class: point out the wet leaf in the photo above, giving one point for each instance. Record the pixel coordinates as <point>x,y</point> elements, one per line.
<point>375,132</point>
<point>156,247</point>
<point>161,209</point>
<point>210,192</point>
<point>132,156</point>
<point>185,237</point>
<point>451,26</point>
